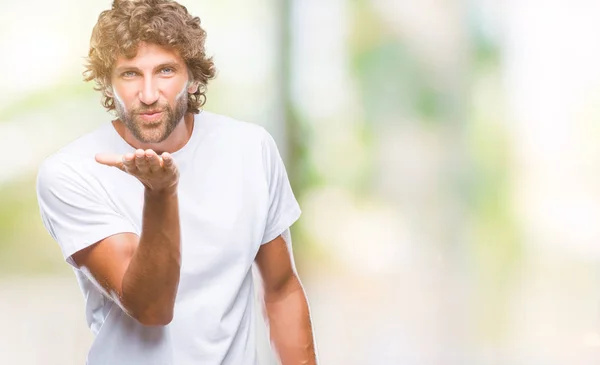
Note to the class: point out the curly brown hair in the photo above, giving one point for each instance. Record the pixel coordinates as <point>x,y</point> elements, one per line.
<point>120,30</point>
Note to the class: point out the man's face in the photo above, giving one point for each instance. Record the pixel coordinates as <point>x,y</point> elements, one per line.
<point>150,92</point>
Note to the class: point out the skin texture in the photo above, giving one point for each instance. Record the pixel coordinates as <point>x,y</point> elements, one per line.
<point>160,126</point>
<point>141,274</point>
<point>285,303</point>
<point>157,79</point>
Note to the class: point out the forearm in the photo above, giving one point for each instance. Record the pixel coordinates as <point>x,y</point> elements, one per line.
<point>152,277</point>
<point>290,325</point>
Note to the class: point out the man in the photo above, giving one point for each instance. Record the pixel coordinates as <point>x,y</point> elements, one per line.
<point>163,212</point>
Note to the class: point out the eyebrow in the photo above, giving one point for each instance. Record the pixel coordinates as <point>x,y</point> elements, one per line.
<point>170,64</point>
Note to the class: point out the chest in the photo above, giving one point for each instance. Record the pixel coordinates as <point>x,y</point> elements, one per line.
<point>223,207</point>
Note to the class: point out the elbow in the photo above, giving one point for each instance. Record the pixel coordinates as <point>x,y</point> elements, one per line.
<point>282,289</point>
<point>148,312</point>
<point>156,321</point>
<point>154,318</point>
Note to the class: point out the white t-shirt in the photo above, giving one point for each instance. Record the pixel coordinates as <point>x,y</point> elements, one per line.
<point>234,195</point>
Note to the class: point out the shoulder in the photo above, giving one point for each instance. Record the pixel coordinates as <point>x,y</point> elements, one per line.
<point>73,162</point>
<point>248,142</point>
<point>234,130</point>
<point>83,147</point>
<point>90,143</point>
<point>253,141</point>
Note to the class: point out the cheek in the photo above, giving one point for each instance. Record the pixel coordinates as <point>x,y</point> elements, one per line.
<point>125,97</point>
<point>177,93</point>
<point>117,98</point>
<point>183,91</point>
<point>119,103</point>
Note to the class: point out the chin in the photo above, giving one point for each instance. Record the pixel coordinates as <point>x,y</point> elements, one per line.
<point>150,139</point>
<point>150,134</point>
<point>153,137</point>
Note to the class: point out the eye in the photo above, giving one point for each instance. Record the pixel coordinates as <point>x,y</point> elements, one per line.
<point>167,70</point>
<point>129,74</point>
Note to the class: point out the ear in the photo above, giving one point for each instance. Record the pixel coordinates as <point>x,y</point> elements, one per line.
<point>108,92</point>
<point>193,87</point>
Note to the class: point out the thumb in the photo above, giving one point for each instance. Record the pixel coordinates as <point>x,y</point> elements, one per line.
<point>110,159</point>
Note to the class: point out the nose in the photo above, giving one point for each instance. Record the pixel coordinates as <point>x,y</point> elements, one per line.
<point>149,93</point>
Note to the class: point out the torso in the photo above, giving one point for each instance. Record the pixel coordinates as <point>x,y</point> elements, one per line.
<point>223,200</point>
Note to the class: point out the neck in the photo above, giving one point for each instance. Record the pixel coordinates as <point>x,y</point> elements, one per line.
<point>176,140</point>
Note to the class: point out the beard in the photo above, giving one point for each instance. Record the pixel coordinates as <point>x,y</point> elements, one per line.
<point>159,130</point>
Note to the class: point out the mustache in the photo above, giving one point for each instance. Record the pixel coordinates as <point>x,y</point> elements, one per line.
<point>150,108</point>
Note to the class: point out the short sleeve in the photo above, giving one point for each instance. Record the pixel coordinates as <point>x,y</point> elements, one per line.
<point>72,211</point>
<point>283,209</point>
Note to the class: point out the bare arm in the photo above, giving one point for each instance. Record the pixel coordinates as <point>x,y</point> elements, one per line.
<point>286,304</point>
<point>142,274</point>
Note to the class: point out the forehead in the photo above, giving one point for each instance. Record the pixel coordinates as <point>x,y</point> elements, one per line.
<point>149,55</point>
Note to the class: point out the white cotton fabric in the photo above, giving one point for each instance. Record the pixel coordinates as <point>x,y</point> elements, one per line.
<point>234,195</point>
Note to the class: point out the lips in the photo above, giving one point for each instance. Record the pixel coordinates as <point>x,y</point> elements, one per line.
<point>151,112</point>
<point>151,116</point>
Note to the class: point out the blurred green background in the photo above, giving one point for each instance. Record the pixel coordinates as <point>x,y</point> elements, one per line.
<point>445,155</point>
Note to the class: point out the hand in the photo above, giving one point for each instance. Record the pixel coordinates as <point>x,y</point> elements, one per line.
<point>157,173</point>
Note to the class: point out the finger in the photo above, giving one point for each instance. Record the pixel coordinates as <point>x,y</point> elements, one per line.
<point>168,163</point>
<point>154,162</point>
<point>140,162</point>
<point>110,159</point>
<point>128,162</point>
